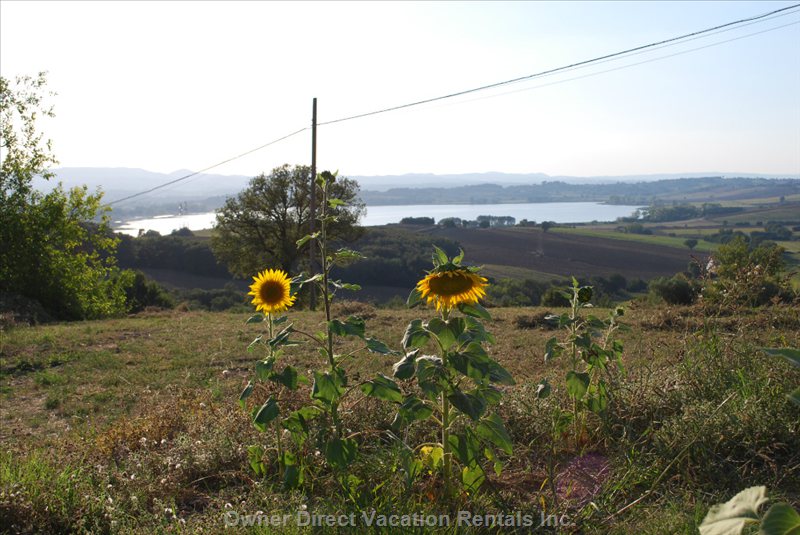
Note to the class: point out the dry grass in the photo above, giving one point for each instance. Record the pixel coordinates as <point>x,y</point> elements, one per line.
<point>131,424</point>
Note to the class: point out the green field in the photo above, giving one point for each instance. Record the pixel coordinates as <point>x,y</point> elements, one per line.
<point>131,425</point>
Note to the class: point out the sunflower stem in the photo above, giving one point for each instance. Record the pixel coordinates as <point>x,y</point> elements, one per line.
<point>326,298</point>
<point>447,466</point>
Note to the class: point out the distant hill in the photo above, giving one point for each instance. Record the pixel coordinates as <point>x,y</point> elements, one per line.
<point>430,180</point>
<point>705,189</point>
<point>206,192</point>
<point>119,182</point>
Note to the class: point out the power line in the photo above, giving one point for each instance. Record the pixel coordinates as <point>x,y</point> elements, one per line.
<point>558,69</point>
<point>190,175</point>
<point>589,75</point>
<point>580,64</point>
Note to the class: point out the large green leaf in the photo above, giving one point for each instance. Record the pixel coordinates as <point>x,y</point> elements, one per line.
<point>383,388</point>
<point>404,368</point>
<point>246,393</point>
<point>473,331</point>
<point>414,298</point>
<point>327,387</point>
<point>268,412</point>
<point>543,389</point>
<point>781,519</point>
<point>475,310</point>
<point>732,516</point>
<point>492,429</point>
<point>442,331</point>
<point>792,356</point>
<point>297,422</point>
<point>577,384</point>
<point>288,377</point>
<point>293,471</point>
<point>341,452</point>
<point>472,477</point>
<point>552,349</point>
<point>465,447</point>
<point>489,394</point>
<point>431,375</point>
<point>256,318</point>
<point>439,257</point>
<point>598,398</point>
<point>469,404</point>
<point>282,338</point>
<point>415,335</point>
<point>498,374</point>
<point>255,455</point>
<point>794,397</point>
<point>376,346</point>
<point>411,410</point>
<point>352,326</point>
<point>264,368</point>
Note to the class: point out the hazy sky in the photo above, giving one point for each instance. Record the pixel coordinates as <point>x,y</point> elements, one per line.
<point>167,86</point>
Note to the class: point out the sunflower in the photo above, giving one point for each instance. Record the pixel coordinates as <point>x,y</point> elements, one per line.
<point>452,287</point>
<point>270,291</point>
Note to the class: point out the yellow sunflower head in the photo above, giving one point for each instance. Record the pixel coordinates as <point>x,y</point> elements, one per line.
<point>270,291</point>
<point>449,288</point>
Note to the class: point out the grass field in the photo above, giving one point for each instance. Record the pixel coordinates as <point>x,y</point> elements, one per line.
<point>131,425</point>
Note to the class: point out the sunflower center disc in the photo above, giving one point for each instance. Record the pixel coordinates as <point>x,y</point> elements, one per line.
<point>448,286</point>
<point>272,293</point>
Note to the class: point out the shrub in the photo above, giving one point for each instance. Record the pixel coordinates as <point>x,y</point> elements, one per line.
<point>677,290</point>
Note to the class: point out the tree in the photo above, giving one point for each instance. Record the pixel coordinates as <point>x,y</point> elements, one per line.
<point>691,243</point>
<point>55,248</point>
<point>260,227</point>
<point>747,275</point>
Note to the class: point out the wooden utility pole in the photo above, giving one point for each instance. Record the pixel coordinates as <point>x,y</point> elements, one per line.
<point>313,201</point>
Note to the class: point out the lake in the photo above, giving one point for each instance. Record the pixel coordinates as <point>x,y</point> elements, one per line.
<point>560,212</point>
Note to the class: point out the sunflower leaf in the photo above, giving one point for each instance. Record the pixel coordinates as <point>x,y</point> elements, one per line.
<point>255,318</point>
<point>415,335</point>
<point>376,346</point>
<point>246,393</point>
<point>302,241</point>
<point>411,410</point>
<point>282,338</point>
<point>414,298</point>
<point>439,257</point>
<point>382,387</point>
<point>288,378</point>
<point>404,368</point>
<point>475,310</point>
<point>352,326</point>
<point>792,356</point>
<point>263,416</point>
<point>254,343</point>
<point>733,515</point>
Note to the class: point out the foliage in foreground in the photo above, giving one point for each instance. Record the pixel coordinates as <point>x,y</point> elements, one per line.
<point>700,414</point>
<point>52,250</point>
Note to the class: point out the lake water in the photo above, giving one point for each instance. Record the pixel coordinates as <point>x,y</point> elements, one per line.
<point>560,212</point>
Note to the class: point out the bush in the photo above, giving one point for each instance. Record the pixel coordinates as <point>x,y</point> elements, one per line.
<point>554,297</point>
<point>140,293</point>
<point>677,290</point>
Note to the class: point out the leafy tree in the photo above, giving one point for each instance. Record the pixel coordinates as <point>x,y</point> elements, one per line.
<point>743,274</point>
<point>52,248</point>
<point>261,225</point>
<point>691,243</point>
